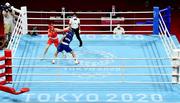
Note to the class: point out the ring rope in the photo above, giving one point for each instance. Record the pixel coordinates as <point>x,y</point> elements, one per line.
<point>97,82</point>
<point>90,19</point>
<point>161,58</point>
<point>162,30</point>
<point>101,31</point>
<point>128,12</point>
<point>104,31</point>
<point>164,43</point>
<point>17,26</point>
<point>40,74</point>
<point>120,67</point>
<point>94,25</point>
<point>168,32</point>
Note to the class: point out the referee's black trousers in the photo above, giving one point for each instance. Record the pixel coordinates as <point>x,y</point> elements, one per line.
<point>78,36</point>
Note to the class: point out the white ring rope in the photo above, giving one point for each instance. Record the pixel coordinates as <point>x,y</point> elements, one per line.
<point>110,19</point>
<point>96,82</point>
<point>163,32</point>
<point>166,38</point>
<point>30,58</point>
<point>166,30</point>
<point>45,31</point>
<point>14,33</point>
<point>164,43</point>
<point>120,19</point>
<point>128,12</point>
<point>15,38</point>
<point>108,67</point>
<point>40,74</point>
<point>93,25</point>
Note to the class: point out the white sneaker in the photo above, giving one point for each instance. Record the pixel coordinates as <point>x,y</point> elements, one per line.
<point>42,58</point>
<point>53,61</point>
<point>76,62</point>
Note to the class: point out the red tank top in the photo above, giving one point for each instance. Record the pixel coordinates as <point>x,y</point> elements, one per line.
<point>52,34</point>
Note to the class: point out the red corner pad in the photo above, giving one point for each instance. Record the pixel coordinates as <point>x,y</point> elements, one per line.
<point>12,90</point>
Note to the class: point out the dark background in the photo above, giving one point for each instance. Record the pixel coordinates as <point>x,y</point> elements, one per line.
<point>92,4</point>
<point>103,5</point>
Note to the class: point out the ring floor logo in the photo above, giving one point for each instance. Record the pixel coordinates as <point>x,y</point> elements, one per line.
<point>114,37</point>
<point>93,98</point>
<point>93,54</point>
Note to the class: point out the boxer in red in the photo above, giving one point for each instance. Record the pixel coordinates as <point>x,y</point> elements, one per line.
<point>53,38</point>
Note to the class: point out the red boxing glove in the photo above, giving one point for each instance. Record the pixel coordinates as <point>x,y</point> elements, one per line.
<point>65,29</point>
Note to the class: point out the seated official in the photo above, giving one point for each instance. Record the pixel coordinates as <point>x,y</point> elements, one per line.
<point>119,30</point>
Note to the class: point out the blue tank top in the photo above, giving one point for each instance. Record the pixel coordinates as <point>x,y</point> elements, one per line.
<point>69,37</point>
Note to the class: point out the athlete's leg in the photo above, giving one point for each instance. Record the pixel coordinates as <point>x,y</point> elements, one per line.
<point>59,49</point>
<point>74,57</point>
<point>78,37</point>
<point>46,49</point>
<point>55,56</point>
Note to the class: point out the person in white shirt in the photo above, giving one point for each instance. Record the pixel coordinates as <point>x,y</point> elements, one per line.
<point>9,17</point>
<point>118,30</point>
<point>74,23</point>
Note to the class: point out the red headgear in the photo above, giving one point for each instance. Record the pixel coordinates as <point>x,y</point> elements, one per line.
<point>51,27</point>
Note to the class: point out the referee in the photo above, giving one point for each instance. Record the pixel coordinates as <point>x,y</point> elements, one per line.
<point>74,23</point>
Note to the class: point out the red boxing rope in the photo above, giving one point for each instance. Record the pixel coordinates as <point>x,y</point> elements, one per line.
<point>12,90</point>
<point>2,66</point>
<point>2,75</point>
<point>8,78</point>
<point>2,58</point>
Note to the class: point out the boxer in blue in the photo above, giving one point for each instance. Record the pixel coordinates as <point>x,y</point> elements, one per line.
<point>64,44</point>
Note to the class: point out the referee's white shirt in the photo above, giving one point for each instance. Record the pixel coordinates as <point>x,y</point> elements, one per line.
<point>74,22</point>
<point>118,31</point>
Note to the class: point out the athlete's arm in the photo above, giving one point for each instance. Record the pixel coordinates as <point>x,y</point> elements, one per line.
<point>70,21</point>
<point>61,30</point>
<point>58,30</point>
<point>49,33</point>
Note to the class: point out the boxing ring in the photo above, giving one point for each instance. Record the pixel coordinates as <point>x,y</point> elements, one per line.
<point>113,68</point>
